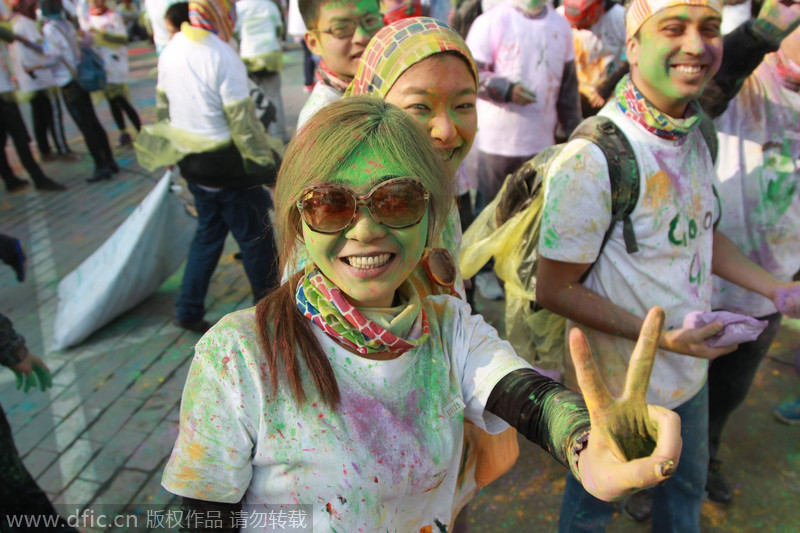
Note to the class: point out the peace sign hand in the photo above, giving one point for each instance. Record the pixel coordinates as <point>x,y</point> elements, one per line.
<point>632,445</point>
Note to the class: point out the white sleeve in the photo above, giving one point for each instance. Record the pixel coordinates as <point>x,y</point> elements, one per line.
<point>481,359</point>
<point>222,399</point>
<point>232,79</point>
<point>479,40</point>
<point>577,204</point>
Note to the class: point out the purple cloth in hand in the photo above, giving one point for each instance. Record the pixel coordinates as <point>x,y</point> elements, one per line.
<point>788,301</point>
<point>736,328</point>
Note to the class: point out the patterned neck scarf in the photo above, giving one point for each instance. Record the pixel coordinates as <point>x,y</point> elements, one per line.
<point>400,45</point>
<point>637,108</point>
<point>396,330</point>
<point>328,77</point>
<point>788,71</point>
<point>216,16</point>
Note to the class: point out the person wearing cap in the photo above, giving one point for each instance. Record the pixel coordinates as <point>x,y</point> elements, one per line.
<point>598,34</point>
<point>674,48</point>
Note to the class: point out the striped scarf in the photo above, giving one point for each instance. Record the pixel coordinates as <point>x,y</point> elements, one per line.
<point>637,108</point>
<point>215,16</point>
<point>363,331</point>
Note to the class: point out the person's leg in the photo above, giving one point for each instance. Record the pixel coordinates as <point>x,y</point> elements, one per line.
<point>19,133</point>
<point>79,105</point>
<point>492,172</point>
<point>126,106</point>
<point>729,380</point>
<point>270,85</point>
<point>246,214</point>
<point>57,130</point>
<point>308,65</point>
<point>116,112</point>
<point>677,501</point>
<point>204,254</point>
<point>19,493</point>
<point>581,512</point>
<point>42,115</point>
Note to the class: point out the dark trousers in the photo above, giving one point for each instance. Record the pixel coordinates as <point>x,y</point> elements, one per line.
<point>19,493</point>
<point>243,212</point>
<point>308,65</point>
<point>11,123</point>
<point>119,105</point>
<point>492,172</point>
<point>79,105</point>
<point>730,378</point>
<point>48,120</point>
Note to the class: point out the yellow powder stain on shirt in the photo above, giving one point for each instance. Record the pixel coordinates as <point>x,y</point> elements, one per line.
<point>658,187</point>
<point>196,451</point>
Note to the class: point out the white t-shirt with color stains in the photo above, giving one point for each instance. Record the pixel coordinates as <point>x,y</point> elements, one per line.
<point>531,51</point>
<point>759,184</point>
<point>387,460</point>
<point>673,222</point>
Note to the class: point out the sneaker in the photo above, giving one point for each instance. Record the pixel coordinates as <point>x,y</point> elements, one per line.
<point>639,505</point>
<point>46,184</point>
<point>718,487</point>
<point>14,257</point>
<point>789,412</point>
<point>489,286</point>
<point>124,140</point>
<point>14,184</point>
<point>198,326</point>
<point>308,88</point>
<point>99,175</point>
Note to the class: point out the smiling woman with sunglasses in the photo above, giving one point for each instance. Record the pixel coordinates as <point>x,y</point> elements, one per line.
<point>345,391</point>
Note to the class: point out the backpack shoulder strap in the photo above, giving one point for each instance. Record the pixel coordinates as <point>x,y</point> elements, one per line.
<point>709,132</point>
<point>623,173</point>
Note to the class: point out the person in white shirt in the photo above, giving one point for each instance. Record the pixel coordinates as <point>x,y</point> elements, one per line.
<point>35,80</point>
<point>61,45</point>
<point>109,39</point>
<point>258,25</point>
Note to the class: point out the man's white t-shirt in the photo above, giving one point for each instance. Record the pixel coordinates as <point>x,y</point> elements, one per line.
<point>759,184</point>
<point>115,59</point>
<point>23,58</point>
<point>531,51</point>
<point>199,78</point>
<point>257,23</point>
<point>673,222</point>
<point>386,460</point>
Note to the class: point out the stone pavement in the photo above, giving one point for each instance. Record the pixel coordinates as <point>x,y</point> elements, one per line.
<point>98,440</point>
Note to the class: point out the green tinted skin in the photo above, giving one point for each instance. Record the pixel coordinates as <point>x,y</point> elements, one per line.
<point>341,55</point>
<point>674,55</point>
<point>365,237</point>
<point>440,92</point>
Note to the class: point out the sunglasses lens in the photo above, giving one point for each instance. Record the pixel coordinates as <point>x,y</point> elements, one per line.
<point>399,203</point>
<point>441,267</point>
<point>328,209</point>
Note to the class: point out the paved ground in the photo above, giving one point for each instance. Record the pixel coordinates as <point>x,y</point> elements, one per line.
<point>99,439</point>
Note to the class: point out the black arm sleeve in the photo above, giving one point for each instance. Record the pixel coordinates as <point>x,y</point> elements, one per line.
<point>743,50</point>
<point>544,411</point>
<point>568,104</point>
<point>200,516</point>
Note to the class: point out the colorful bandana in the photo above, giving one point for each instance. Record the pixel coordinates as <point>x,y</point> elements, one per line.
<point>641,10</point>
<point>397,47</point>
<point>788,71</point>
<point>370,331</point>
<point>216,16</point>
<point>328,77</point>
<point>637,108</point>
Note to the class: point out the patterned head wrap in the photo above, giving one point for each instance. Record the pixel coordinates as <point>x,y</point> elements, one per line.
<point>216,16</point>
<point>641,10</point>
<point>399,46</point>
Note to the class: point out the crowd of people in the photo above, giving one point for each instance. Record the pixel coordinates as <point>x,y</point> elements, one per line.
<point>362,382</point>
